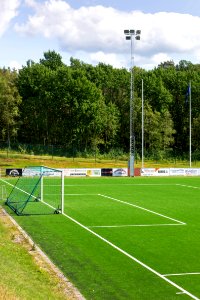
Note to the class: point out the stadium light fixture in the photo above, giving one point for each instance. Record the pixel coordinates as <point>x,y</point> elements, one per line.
<point>132,35</point>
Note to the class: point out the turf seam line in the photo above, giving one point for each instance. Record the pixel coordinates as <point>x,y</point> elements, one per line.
<point>140,207</point>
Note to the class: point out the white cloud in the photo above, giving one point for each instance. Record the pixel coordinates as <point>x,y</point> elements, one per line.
<point>98,32</point>
<point>7,12</point>
<point>15,65</point>
<point>107,58</point>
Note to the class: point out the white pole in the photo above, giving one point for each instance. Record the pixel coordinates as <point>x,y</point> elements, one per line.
<point>131,35</point>
<point>190,127</point>
<point>142,125</point>
<point>131,113</point>
<point>42,183</point>
<point>62,192</point>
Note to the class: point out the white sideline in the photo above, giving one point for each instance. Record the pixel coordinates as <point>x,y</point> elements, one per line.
<point>140,207</point>
<point>132,258</point>
<point>17,188</point>
<point>45,257</point>
<point>28,194</point>
<point>6,182</point>
<point>129,255</point>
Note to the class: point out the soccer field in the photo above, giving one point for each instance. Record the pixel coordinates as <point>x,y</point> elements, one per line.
<point>125,238</point>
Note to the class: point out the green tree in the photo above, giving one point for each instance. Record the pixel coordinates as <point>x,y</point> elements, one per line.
<point>87,107</point>
<point>65,108</point>
<point>9,105</point>
<point>33,84</point>
<point>52,60</point>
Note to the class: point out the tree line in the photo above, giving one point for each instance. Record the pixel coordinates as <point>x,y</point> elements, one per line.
<point>85,108</point>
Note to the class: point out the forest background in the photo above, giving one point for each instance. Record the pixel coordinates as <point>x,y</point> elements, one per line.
<point>83,110</point>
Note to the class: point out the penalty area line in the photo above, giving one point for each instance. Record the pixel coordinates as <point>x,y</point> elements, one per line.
<point>132,257</point>
<point>182,274</point>
<point>133,225</point>
<point>128,255</point>
<point>140,207</point>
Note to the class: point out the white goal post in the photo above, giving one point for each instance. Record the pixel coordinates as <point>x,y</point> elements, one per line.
<point>40,190</point>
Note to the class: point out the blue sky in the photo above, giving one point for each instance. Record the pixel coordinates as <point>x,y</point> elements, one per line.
<point>92,31</point>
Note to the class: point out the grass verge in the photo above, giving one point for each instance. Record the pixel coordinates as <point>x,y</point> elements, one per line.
<point>17,160</point>
<point>100,270</point>
<point>24,273</point>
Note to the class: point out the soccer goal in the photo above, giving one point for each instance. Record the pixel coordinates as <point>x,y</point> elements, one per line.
<point>40,190</point>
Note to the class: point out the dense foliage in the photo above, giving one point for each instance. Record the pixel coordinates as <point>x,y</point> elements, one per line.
<point>85,108</point>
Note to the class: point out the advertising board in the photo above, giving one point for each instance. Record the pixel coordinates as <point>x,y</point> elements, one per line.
<point>13,172</point>
<point>147,172</point>
<point>106,172</point>
<point>119,172</point>
<point>162,172</point>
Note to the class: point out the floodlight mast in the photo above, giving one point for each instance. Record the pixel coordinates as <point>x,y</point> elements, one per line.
<point>132,35</point>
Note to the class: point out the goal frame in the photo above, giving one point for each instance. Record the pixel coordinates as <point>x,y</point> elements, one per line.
<point>39,172</point>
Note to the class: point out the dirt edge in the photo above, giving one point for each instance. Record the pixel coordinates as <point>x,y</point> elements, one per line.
<point>41,259</point>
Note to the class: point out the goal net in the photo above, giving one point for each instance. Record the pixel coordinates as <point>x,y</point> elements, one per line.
<point>40,190</point>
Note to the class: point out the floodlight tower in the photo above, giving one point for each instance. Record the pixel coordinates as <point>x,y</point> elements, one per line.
<point>132,35</point>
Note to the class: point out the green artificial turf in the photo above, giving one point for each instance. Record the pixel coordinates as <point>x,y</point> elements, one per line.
<point>120,236</point>
<point>21,277</point>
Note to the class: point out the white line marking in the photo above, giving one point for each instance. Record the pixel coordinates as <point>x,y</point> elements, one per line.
<point>182,274</point>
<point>18,188</point>
<point>140,207</point>
<point>28,194</point>
<point>132,258</point>
<point>180,293</point>
<point>133,225</point>
<point>123,184</point>
<point>188,186</point>
<point>81,194</point>
<point>7,182</point>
